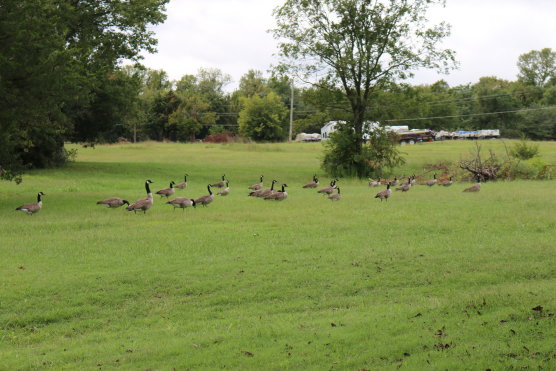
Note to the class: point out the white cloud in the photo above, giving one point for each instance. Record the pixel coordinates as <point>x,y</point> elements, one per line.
<point>231,35</point>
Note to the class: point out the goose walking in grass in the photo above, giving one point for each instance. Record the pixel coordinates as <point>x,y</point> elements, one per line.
<point>225,191</point>
<point>313,184</point>
<point>207,199</point>
<point>374,183</point>
<point>384,194</point>
<point>476,187</point>
<point>183,184</point>
<point>406,186</point>
<point>113,202</point>
<point>143,204</point>
<point>257,186</point>
<point>278,195</point>
<point>167,192</point>
<point>221,183</point>
<point>432,181</point>
<point>446,182</point>
<point>182,203</point>
<point>329,189</point>
<point>335,196</point>
<point>264,192</point>
<point>33,207</point>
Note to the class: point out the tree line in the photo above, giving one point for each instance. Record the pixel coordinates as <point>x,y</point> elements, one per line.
<point>63,77</point>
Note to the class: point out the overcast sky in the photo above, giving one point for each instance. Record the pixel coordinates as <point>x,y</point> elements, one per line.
<point>231,35</point>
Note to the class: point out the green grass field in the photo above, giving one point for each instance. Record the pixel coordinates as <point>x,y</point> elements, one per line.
<point>432,279</point>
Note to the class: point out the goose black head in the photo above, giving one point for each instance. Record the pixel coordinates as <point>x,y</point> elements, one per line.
<point>149,181</point>
<point>125,202</point>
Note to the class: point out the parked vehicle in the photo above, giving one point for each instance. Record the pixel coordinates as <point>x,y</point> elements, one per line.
<point>415,136</point>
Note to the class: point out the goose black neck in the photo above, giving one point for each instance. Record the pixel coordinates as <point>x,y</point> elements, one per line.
<point>185,178</point>
<point>338,190</point>
<point>39,197</point>
<point>147,188</point>
<point>171,184</point>
<point>210,191</point>
<point>261,178</point>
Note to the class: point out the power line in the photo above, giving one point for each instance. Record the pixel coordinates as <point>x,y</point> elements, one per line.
<point>471,114</point>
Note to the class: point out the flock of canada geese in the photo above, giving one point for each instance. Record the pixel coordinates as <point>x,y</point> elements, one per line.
<point>256,190</point>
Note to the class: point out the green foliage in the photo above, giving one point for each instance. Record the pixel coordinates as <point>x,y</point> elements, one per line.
<point>537,67</point>
<point>524,149</point>
<point>358,47</point>
<point>379,155</point>
<point>57,60</point>
<point>263,118</point>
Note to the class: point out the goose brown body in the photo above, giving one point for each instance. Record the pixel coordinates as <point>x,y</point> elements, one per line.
<point>257,186</point>
<point>221,183</point>
<point>278,195</point>
<point>446,182</point>
<point>143,204</point>
<point>33,207</point>
<point>384,194</point>
<point>225,191</point>
<point>263,192</point>
<point>113,202</point>
<point>335,196</point>
<point>313,184</point>
<point>183,184</point>
<point>167,192</point>
<point>182,203</point>
<point>432,181</point>
<point>329,189</point>
<point>207,199</point>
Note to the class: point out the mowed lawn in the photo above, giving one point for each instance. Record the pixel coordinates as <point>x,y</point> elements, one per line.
<point>432,279</point>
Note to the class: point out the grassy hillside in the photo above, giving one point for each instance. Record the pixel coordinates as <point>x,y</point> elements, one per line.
<point>431,279</point>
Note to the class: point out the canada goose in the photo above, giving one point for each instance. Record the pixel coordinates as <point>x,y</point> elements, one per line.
<point>183,184</point>
<point>446,182</point>
<point>432,181</point>
<point>313,184</point>
<point>257,186</point>
<point>476,187</point>
<point>330,189</point>
<point>413,180</point>
<point>221,183</point>
<point>33,207</point>
<point>374,183</point>
<point>406,186</point>
<point>278,195</point>
<point>143,203</point>
<point>205,200</point>
<point>113,202</point>
<point>264,192</point>
<point>225,191</point>
<point>167,192</point>
<point>394,182</point>
<point>181,202</point>
<point>384,194</point>
<point>335,196</point>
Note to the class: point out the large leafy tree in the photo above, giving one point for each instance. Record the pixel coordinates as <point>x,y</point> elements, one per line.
<point>58,59</point>
<point>359,46</point>
<point>263,118</point>
<point>537,67</point>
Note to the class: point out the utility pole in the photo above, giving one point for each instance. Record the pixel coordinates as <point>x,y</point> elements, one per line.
<point>291,112</point>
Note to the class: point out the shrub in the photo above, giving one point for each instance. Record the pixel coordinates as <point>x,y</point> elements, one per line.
<point>524,149</point>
